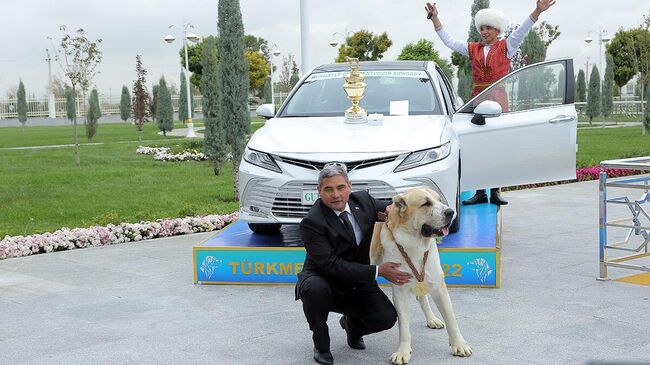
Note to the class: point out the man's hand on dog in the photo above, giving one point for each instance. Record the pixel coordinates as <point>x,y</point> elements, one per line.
<point>389,271</point>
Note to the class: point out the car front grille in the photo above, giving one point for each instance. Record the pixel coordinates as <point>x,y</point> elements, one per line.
<point>352,165</point>
<point>285,202</point>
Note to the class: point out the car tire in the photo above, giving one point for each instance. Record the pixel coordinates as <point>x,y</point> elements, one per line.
<point>265,227</point>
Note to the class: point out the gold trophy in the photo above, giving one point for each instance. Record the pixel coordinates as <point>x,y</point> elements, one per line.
<point>354,88</point>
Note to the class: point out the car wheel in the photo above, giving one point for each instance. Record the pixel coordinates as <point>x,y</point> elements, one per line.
<point>264,227</point>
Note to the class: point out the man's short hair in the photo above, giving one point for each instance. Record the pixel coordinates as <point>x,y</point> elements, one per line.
<point>333,169</point>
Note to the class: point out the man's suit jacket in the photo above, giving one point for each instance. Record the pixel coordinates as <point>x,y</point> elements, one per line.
<point>332,251</point>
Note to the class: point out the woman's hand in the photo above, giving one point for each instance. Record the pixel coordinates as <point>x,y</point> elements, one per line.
<point>431,9</point>
<point>543,5</point>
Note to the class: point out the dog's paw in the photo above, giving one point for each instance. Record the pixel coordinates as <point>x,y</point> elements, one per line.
<point>401,357</point>
<point>435,323</point>
<point>461,348</point>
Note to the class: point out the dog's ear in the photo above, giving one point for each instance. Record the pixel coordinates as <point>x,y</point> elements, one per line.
<point>400,204</point>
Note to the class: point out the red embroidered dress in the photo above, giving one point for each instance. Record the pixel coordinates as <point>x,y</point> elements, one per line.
<point>487,70</point>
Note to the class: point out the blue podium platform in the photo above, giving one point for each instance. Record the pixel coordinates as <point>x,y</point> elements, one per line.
<point>236,255</point>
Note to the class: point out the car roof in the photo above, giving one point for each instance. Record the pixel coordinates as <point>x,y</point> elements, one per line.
<point>374,65</point>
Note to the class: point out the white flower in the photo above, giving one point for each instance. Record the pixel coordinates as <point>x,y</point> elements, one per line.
<point>68,239</point>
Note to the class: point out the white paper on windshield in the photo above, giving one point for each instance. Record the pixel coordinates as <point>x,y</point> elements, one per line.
<point>378,73</point>
<point>399,107</point>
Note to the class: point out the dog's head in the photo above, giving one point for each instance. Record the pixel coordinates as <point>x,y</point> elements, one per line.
<point>420,211</point>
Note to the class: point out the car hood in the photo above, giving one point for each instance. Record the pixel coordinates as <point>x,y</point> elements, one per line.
<point>286,136</point>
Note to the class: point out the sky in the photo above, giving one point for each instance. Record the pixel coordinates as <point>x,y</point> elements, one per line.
<point>130,27</point>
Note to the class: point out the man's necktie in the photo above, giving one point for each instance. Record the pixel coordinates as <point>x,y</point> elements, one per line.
<point>348,225</point>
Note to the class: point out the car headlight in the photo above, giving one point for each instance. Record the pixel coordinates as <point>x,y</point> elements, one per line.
<point>420,158</point>
<point>261,159</point>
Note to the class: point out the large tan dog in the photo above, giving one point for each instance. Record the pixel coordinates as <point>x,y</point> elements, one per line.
<point>417,217</point>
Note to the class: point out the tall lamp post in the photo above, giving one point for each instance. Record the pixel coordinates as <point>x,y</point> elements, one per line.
<point>275,51</point>
<point>192,38</point>
<point>602,38</point>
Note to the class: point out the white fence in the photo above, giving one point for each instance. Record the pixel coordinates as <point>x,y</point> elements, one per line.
<point>40,107</point>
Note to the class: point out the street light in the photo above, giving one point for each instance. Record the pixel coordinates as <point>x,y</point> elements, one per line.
<point>192,38</point>
<point>602,38</point>
<point>275,51</point>
<point>334,42</point>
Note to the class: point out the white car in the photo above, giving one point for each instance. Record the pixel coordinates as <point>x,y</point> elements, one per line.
<point>426,137</point>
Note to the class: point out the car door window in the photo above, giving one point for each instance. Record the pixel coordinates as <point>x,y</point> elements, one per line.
<point>535,87</point>
<point>446,92</point>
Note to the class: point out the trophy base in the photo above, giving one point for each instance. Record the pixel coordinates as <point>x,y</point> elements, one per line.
<point>356,117</point>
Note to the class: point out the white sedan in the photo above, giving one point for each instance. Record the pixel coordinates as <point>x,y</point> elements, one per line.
<point>424,137</point>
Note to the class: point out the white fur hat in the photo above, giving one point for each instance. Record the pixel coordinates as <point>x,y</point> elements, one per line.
<point>492,17</point>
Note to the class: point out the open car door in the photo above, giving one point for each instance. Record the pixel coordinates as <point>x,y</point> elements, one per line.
<point>520,130</point>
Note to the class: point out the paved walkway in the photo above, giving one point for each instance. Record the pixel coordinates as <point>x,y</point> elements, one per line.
<point>135,303</point>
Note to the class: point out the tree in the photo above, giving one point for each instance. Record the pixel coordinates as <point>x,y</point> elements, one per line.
<point>547,32</point>
<point>288,65</point>
<point>70,109</point>
<point>423,51</point>
<point>81,57</point>
<point>646,21</point>
<point>140,103</point>
<point>233,82</point>
<point>255,44</point>
<point>607,91</point>
<point>259,70</point>
<point>94,113</point>
<point>462,62</point>
<point>183,113</point>
<point>164,110</point>
<point>593,98</point>
<point>464,84</point>
<point>266,92</point>
<point>21,102</point>
<point>533,48</point>
<point>56,87</point>
<point>365,46</point>
<point>631,52</point>
<point>581,87</point>
<point>293,80</point>
<point>153,101</point>
<point>646,114</point>
<point>125,104</point>
<point>193,61</point>
<point>214,142</point>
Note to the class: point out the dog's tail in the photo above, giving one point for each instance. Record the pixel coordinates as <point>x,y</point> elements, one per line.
<point>376,249</point>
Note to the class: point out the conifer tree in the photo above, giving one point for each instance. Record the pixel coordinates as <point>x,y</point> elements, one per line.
<point>164,111</point>
<point>94,113</point>
<point>646,119</point>
<point>69,103</point>
<point>233,82</point>
<point>593,99</point>
<point>21,100</point>
<point>140,103</point>
<point>182,100</point>
<point>608,89</point>
<point>214,143</point>
<point>581,87</point>
<point>461,61</point>
<point>125,104</point>
<point>153,101</point>
<point>266,91</point>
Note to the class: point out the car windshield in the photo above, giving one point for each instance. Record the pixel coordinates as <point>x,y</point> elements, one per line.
<point>322,94</point>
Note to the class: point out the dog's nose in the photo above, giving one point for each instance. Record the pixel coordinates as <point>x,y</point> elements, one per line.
<point>449,213</point>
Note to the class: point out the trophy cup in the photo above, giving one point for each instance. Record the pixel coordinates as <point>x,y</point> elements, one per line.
<point>354,88</point>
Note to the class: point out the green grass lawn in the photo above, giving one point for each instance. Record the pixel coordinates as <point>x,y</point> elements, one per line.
<point>42,190</point>
<point>595,145</point>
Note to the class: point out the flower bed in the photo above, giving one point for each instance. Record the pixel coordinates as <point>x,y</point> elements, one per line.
<point>163,154</point>
<point>68,239</point>
<point>583,174</point>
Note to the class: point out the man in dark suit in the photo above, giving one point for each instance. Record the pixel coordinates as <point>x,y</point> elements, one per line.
<point>337,275</point>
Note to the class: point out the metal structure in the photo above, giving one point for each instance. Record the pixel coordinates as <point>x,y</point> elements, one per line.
<point>634,245</point>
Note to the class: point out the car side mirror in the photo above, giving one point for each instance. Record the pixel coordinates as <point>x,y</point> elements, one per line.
<point>486,109</point>
<point>265,111</point>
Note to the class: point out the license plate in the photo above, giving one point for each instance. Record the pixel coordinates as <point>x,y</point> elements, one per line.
<point>309,197</point>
